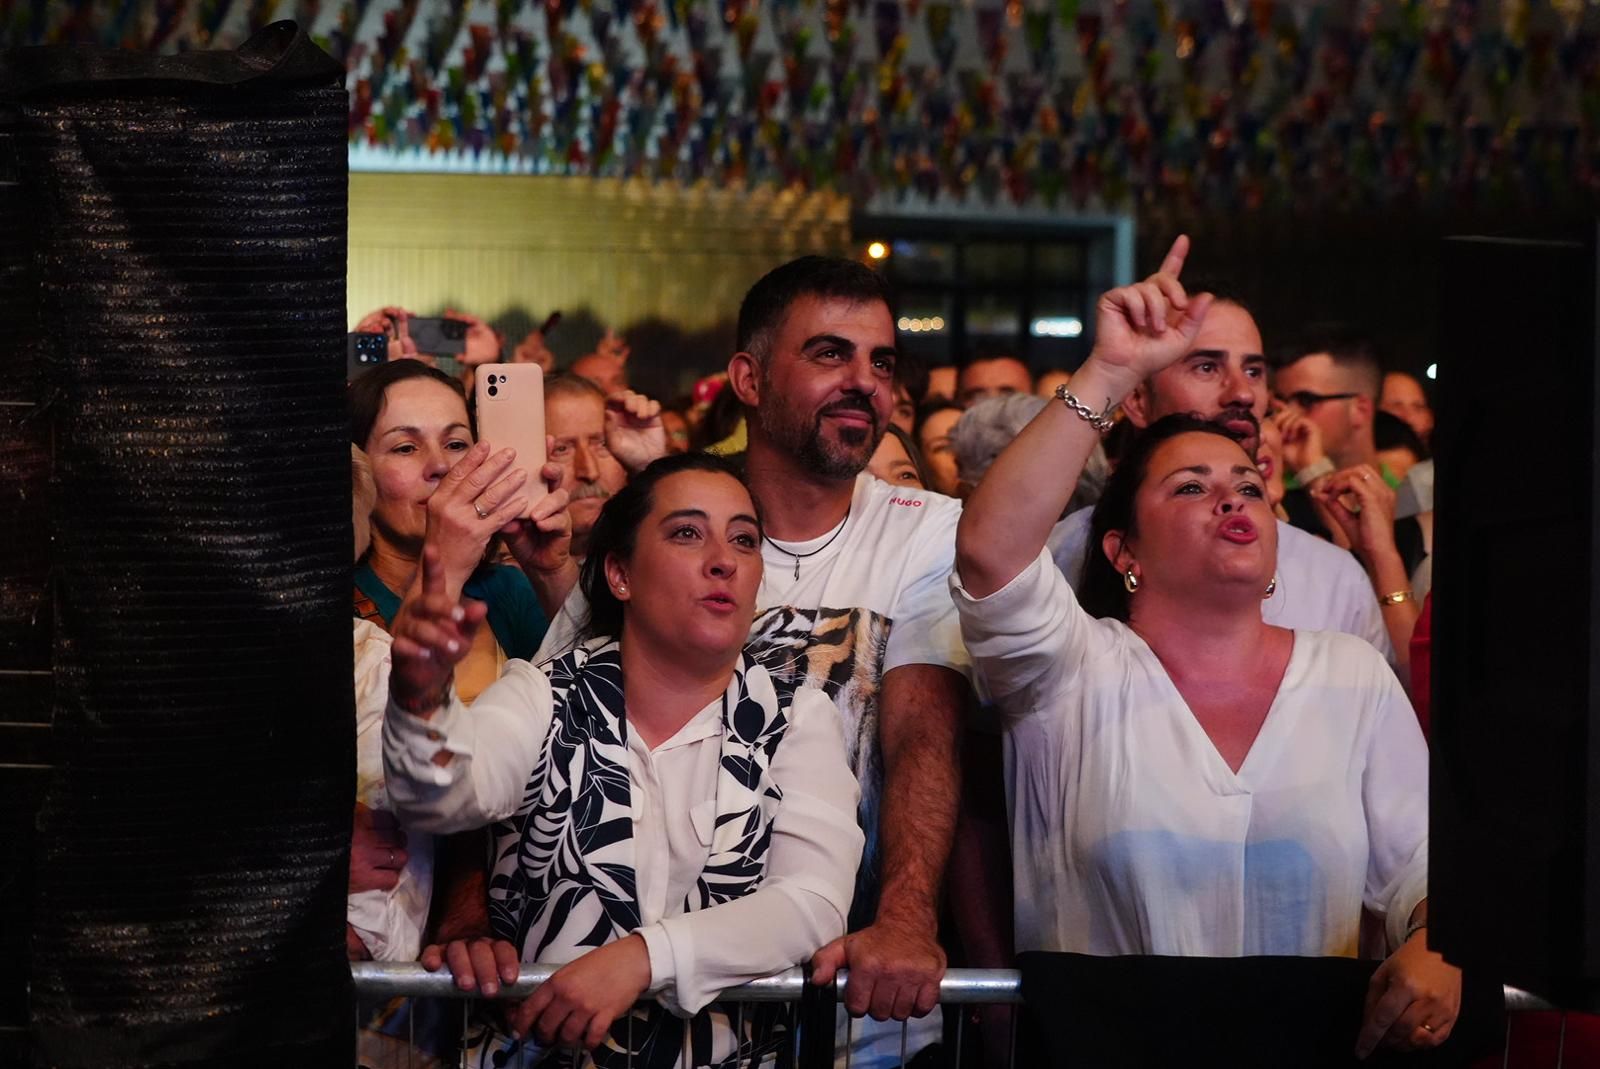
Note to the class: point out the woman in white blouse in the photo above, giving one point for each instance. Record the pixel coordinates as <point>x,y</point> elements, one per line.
<point>1194,781</point>
<point>666,821</point>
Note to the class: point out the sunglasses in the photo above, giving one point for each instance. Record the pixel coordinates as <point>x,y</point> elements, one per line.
<point>1308,399</point>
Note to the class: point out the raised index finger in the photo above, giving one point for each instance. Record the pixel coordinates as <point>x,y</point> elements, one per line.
<point>1173,264</point>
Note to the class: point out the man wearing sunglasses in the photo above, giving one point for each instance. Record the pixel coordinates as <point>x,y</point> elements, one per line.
<point>1332,379</point>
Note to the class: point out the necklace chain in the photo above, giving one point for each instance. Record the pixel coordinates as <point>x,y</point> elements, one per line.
<point>798,557</point>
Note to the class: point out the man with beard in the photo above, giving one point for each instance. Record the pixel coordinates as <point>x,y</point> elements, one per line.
<point>1224,379</point>
<point>854,600</point>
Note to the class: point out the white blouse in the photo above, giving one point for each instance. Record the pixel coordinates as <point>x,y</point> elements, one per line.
<point>1130,833</point>
<point>390,923</point>
<point>805,896</point>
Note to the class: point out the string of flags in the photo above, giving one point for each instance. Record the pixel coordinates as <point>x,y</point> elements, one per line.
<point>1213,105</point>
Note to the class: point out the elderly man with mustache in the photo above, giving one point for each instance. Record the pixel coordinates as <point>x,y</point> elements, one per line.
<point>597,441</point>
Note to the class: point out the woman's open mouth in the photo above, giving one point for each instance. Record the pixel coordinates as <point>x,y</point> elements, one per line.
<point>1238,530</point>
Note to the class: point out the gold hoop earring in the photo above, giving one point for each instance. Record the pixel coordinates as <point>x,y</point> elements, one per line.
<point>1130,581</point>
<point>1272,588</point>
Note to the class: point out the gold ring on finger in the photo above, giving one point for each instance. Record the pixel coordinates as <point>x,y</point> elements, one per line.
<point>482,515</point>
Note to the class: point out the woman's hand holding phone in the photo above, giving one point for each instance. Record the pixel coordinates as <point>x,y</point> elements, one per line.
<point>483,493</point>
<point>541,542</point>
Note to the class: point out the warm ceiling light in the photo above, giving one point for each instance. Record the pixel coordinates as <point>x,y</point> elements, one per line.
<point>877,250</point>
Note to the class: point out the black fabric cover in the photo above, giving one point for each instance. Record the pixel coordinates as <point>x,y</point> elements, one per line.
<point>24,616</point>
<point>188,225</point>
<point>1094,1012</point>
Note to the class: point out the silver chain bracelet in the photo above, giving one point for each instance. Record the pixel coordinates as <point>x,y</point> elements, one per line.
<point>1100,421</point>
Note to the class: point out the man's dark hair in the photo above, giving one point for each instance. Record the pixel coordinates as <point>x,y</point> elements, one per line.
<point>1351,350</point>
<point>767,302</point>
<point>364,395</point>
<point>1220,286</point>
<point>616,532</point>
<point>1099,589</point>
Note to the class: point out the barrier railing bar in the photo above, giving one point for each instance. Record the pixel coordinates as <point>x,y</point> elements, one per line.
<point>987,987</point>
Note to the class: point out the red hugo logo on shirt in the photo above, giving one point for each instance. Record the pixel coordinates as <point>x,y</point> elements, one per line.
<point>906,501</point>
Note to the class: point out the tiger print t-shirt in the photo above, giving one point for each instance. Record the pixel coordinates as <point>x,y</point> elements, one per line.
<point>838,614</point>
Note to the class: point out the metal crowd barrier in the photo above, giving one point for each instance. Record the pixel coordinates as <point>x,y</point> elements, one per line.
<point>379,981</point>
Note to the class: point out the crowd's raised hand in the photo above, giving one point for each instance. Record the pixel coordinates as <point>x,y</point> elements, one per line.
<point>1302,440</point>
<point>1140,330</point>
<point>483,341</point>
<point>1143,328</point>
<point>393,322</point>
<point>634,431</point>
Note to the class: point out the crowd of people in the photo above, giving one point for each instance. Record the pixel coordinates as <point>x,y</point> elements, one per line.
<point>704,696</point>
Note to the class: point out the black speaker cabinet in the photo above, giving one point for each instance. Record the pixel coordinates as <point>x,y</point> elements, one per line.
<point>1515,868</point>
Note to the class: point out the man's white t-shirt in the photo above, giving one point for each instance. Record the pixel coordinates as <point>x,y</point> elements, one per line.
<point>1320,586</point>
<point>839,614</point>
<point>870,596</point>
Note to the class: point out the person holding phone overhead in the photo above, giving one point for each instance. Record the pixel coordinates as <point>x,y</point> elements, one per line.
<point>1201,783</point>
<point>437,486</point>
<point>669,820</point>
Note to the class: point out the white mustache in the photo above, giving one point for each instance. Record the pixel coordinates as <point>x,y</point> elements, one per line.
<point>584,491</point>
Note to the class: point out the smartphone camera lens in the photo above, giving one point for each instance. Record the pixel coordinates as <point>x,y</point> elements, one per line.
<point>493,390</point>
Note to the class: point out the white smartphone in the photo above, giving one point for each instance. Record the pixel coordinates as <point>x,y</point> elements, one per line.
<point>510,403</point>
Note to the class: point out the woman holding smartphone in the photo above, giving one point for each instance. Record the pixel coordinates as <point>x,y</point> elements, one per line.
<point>437,485</point>
<point>668,822</point>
